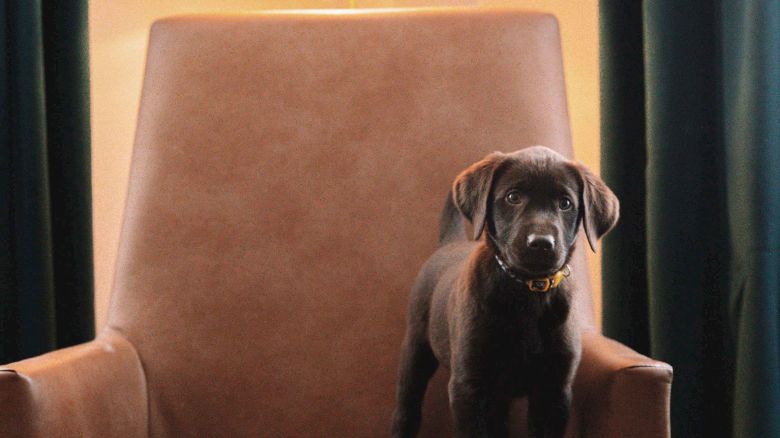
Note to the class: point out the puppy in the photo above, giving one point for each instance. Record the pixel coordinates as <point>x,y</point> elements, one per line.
<point>495,311</point>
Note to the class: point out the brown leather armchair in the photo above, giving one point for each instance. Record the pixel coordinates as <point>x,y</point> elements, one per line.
<point>288,174</point>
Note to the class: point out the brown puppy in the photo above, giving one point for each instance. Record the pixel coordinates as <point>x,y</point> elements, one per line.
<point>495,310</point>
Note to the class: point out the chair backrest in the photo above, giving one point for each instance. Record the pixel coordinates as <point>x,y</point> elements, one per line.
<point>288,175</point>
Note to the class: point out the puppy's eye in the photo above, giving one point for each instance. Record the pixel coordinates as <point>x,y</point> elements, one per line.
<point>565,204</point>
<point>513,197</point>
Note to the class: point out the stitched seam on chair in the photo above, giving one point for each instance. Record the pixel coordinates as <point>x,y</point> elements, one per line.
<point>666,367</point>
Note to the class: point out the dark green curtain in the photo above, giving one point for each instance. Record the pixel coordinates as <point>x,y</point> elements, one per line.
<point>691,145</point>
<point>46,277</point>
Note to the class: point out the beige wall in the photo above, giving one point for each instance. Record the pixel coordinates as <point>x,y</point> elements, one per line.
<point>118,35</point>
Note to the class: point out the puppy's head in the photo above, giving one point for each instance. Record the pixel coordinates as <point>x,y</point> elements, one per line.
<point>532,202</point>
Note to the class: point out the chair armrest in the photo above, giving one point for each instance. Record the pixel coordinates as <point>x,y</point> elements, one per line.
<point>92,389</point>
<point>619,393</point>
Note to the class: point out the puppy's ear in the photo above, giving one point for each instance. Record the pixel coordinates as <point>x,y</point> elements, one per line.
<point>600,207</point>
<point>471,190</point>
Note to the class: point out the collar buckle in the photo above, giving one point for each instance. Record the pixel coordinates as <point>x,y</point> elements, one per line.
<point>539,284</point>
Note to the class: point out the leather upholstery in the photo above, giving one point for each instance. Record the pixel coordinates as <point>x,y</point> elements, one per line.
<point>96,389</point>
<point>288,174</point>
<point>620,393</point>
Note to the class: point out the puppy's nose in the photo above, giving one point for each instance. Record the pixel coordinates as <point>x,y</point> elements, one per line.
<point>543,242</point>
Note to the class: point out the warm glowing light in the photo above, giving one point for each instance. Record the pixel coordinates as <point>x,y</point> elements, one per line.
<point>335,11</point>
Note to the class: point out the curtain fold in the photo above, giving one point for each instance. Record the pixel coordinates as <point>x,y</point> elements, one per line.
<point>46,278</point>
<point>706,165</point>
<point>751,111</point>
<point>623,167</point>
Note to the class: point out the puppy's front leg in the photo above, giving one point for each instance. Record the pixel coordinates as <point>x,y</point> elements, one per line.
<point>548,412</point>
<point>549,400</point>
<point>478,412</point>
<point>469,404</point>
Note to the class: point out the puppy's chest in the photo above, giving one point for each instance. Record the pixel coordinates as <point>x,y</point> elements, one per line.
<point>517,338</point>
<point>520,332</point>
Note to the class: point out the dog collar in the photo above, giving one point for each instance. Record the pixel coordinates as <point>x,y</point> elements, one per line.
<point>543,284</point>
